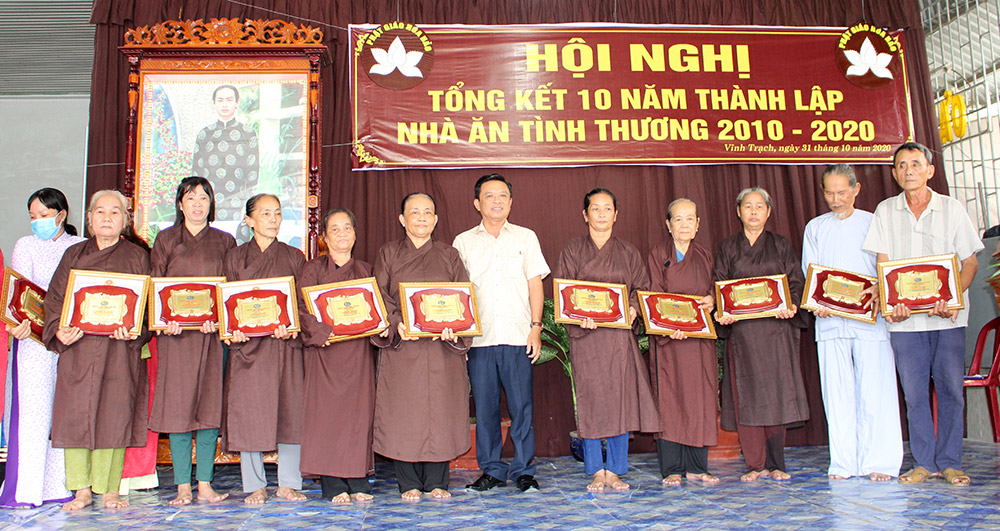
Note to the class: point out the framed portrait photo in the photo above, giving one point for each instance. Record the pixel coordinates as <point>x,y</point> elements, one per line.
<point>190,301</point>
<point>257,307</point>
<point>354,308</point>
<point>841,292</point>
<point>23,299</point>
<point>605,303</point>
<point>665,313</point>
<point>752,298</point>
<point>430,307</point>
<point>920,282</point>
<point>98,302</point>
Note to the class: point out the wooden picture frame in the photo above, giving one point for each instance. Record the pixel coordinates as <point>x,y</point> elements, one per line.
<point>99,302</point>
<point>362,293</point>
<point>694,321</point>
<point>23,299</point>
<point>456,299</point>
<point>942,271</point>
<point>609,308</point>
<point>752,297</point>
<point>269,303</point>
<point>838,291</point>
<point>191,294</point>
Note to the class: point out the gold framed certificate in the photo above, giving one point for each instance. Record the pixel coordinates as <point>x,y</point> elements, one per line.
<point>665,313</point>
<point>354,308</point>
<point>23,299</point>
<point>98,302</point>
<point>606,303</point>
<point>257,307</point>
<point>753,297</point>
<point>430,307</point>
<point>839,291</point>
<point>920,282</point>
<point>190,301</point>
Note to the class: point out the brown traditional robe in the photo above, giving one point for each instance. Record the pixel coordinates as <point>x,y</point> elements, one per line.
<point>263,391</point>
<point>101,397</point>
<point>339,385</point>
<point>188,393</point>
<point>684,373</point>
<point>422,391</point>
<point>612,384</point>
<point>761,364</point>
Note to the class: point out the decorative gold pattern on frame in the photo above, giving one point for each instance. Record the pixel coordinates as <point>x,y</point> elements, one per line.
<point>223,32</point>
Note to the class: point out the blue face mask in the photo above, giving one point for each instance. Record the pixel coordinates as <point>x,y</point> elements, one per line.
<point>45,228</point>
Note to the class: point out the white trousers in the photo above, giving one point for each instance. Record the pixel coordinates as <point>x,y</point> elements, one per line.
<point>858,379</point>
<point>252,468</point>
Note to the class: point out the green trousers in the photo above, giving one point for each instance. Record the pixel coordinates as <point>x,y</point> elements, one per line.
<point>180,454</point>
<point>101,469</point>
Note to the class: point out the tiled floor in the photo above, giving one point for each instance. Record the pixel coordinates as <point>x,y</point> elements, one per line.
<point>808,502</point>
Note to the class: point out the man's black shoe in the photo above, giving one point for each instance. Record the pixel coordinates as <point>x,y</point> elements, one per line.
<point>487,482</point>
<point>526,482</point>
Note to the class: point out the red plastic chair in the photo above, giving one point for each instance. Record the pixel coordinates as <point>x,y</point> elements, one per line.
<point>990,382</point>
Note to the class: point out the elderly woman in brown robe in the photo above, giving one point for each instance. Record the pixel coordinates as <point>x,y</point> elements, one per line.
<point>683,370</point>
<point>422,391</point>
<point>263,396</point>
<point>762,387</point>
<point>612,384</point>
<point>100,400</point>
<point>188,397</point>
<point>339,377</point>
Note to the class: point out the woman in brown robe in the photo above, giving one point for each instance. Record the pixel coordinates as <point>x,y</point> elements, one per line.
<point>263,395</point>
<point>188,395</point>
<point>762,387</point>
<point>612,384</point>
<point>339,377</point>
<point>683,370</point>
<point>100,400</point>
<point>422,391</point>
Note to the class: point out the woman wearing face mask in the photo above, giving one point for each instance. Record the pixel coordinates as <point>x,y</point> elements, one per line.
<point>35,471</point>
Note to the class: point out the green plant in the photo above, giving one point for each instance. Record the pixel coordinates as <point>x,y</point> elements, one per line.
<point>555,345</point>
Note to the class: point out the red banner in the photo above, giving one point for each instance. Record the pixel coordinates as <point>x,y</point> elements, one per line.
<point>450,96</point>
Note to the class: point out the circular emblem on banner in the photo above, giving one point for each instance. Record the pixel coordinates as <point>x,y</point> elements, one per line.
<point>869,56</point>
<point>396,55</point>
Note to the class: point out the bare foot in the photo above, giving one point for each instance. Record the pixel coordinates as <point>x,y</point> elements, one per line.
<point>257,497</point>
<point>411,495</point>
<point>836,476</point>
<point>82,499</point>
<point>704,478</point>
<point>342,498</point>
<point>751,475</point>
<point>780,475</point>
<point>878,476</point>
<point>615,482</point>
<point>362,496</point>
<point>765,473</point>
<point>290,494</point>
<point>208,494</point>
<point>183,495</point>
<point>440,494</point>
<point>113,501</point>
<point>672,479</point>
<point>598,484</point>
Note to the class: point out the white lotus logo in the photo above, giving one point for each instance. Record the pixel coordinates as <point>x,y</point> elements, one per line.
<point>396,57</point>
<point>864,60</point>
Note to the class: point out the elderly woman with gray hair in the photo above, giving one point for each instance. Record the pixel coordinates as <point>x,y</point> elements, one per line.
<point>762,387</point>
<point>100,400</point>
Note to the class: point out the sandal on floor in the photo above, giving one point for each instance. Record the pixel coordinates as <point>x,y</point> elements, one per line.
<point>917,474</point>
<point>955,477</point>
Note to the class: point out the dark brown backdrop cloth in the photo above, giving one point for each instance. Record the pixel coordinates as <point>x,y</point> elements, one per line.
<point>548,200</point>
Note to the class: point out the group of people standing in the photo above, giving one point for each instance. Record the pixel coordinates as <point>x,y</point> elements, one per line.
<point>79,400</point>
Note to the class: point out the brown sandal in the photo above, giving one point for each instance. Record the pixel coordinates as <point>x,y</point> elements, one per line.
<point>917,474</point>
<point>955,477</point>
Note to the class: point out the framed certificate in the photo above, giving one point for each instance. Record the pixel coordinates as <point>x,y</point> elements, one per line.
<point>98,302</point>
<point>257,307</point>
<point>576,300</point>
<point>752,298</point>
<point>430,307</point>
<point>840,292</point>
<point>188,300</point>
<point>919,283</point>
<point>665,313</point>
<point>23,299</point>
<point>354,308</point>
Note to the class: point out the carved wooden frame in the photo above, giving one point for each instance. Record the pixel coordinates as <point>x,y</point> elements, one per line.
<point>229,45</point>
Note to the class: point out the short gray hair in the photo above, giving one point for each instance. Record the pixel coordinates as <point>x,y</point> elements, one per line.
<point>839,169</point>
<point>679,200</point>
<point>122,200</point>
<point>914,146</point>
<point>753,189</point>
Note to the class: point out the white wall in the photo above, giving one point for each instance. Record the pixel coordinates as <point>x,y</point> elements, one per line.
<point>43,142</point>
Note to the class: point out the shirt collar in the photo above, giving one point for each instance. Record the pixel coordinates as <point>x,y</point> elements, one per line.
<point>481,229</point>
<point>933,204</point>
